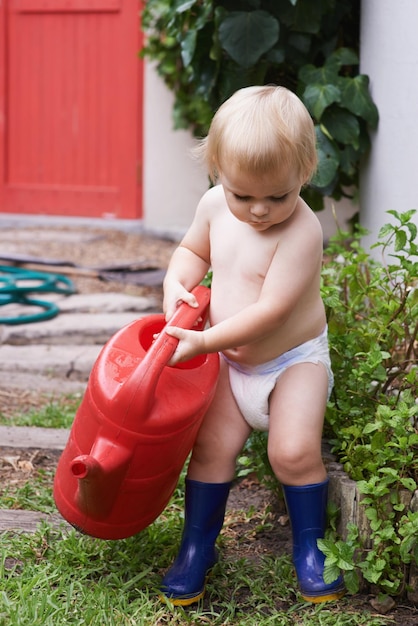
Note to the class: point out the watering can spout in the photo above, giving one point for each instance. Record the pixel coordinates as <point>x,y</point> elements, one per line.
<point>100,475</point>
<point>85,466</point>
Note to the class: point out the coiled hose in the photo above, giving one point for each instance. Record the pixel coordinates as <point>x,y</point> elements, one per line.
<point>17,285</point>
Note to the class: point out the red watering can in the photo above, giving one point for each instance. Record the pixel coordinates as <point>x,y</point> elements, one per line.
<point>135,427</point>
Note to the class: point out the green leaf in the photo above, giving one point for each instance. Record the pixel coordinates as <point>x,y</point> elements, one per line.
<point>380,564</point>
<point>309,74</point>
<point>356,98</point>
<point>341,57</point>
<point>352,582</point>
<point>318,97</point>
<point>313,198</point>
<point>247,35</point>
<point>276,56</point>
<point>408,483</point>
<point>370,428</point>
<point>348,161</point>
<point>326,546</point>
<point>328,160</point>
<point>331,573</point>
<point>400,240</point>
<point>188,47</point>
<point>385,230</point>
<point>412,230</point>
<point>184,5</point>
<point>342,126</point>
<point>307,18</point>
<point>300,42</point>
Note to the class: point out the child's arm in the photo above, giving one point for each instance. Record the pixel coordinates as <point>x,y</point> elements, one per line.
<point>251,324</point>
<point>186,270</point>
<point>189,263</point>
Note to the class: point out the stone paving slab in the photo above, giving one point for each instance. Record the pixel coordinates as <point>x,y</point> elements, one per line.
<point>86,319</point>
<point>69,362</point>
<point>56,356</point>
<point>109,302</point>
<point>15,235</point>
<point>54,388</point>
<point>68,329</point>
<point>106,303</point>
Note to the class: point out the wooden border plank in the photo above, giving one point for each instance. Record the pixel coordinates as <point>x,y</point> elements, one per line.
<point>33,437</point>
<point>20,521</point>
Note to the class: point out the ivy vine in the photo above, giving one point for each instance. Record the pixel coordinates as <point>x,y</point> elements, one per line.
<point>207,49</point>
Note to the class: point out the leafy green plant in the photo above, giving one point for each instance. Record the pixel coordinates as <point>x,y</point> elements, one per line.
<point>254,459</point>
<point>207,49</point>
<point>373,416</point>
<point>372,310</point>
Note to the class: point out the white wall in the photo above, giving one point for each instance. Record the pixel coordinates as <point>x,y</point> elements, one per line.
<point>389,55</point>
<point>173,181</point>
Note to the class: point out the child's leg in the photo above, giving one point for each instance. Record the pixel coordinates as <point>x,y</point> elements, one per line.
<point>297,410</point>
<point>211,470</point>
<point>221,436</point>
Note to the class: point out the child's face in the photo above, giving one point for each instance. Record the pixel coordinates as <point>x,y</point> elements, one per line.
<point>261,201</point>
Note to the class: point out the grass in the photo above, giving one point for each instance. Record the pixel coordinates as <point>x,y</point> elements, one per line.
<point>55,414</point>
<point>58,577</point>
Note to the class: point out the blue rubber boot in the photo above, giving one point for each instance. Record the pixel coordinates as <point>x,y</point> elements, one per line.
<point>307,506</point>
<point>205,505</point>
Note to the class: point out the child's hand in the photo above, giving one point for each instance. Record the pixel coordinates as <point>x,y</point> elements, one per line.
<point>174,295</point>
<point>191,343</point>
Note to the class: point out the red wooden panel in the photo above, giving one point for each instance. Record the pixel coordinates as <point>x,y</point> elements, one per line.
<point>74,108</point>
<point>39,6</point>
<point>2,100</point>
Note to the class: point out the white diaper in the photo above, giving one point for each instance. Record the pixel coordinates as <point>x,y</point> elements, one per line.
<point>252,385</point>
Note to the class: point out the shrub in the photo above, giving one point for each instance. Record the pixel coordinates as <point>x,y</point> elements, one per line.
<point>372,418</point>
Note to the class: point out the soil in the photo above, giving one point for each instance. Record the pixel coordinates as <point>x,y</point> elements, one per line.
<point>268,531</point>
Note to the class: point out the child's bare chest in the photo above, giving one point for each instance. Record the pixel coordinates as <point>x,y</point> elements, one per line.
<point>241,252</point>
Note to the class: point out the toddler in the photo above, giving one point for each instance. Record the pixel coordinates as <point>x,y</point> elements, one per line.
<point>267,321</point>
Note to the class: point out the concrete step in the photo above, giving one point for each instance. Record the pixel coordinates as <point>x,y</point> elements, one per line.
<point>90,319</point>
<point>69,362</point>
<point>56,356</point>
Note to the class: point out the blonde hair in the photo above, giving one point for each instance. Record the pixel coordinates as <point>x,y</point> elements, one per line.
<point>260,130</point>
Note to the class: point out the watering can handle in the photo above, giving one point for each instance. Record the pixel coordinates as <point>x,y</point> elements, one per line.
<point>185,316</point>
<point>137,393</point>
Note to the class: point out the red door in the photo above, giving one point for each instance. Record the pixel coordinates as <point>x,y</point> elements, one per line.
<point>70,107</point>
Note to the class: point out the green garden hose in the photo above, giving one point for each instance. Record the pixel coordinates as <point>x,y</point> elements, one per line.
<point>16,284</point>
